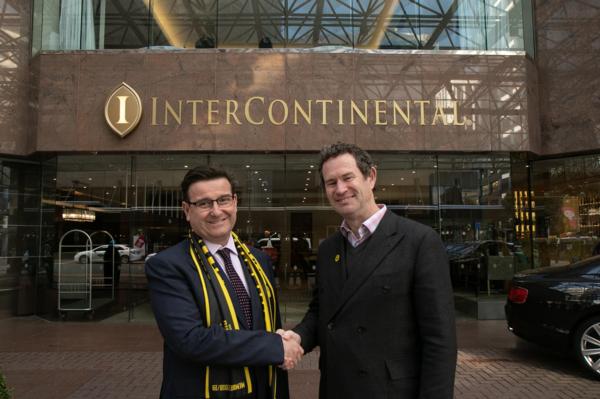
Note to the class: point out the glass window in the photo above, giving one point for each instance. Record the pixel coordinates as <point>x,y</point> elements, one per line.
<point>381,24</point>
<point>567,195</point>
<point>184,24</point>
<point>303,181</point>
<point>19,233</point>
<point>251,24</point>
<point>121,24</point>
<point>476,221</point>
<point>282,209</point>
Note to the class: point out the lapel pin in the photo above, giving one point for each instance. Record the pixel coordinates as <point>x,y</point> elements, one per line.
<point>337,258</point>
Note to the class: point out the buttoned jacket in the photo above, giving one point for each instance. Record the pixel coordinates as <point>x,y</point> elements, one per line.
<point>189,345</point>
<point>387,331</point>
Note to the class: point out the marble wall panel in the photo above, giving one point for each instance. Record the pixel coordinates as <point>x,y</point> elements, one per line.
<point>384,77</point>
<point>490,90</point>
<point>512,129</point>
<point>568,55</point>
<point>15,116</point>
<point>318,77</point>
<point>180,76</point>
<point>471,80</point>
<point>241,76</point>
<point>57,105</point>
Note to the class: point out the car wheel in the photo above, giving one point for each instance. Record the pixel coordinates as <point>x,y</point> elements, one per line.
<point>587,345</point>
<point>124,259</point>
<point>83,259</point>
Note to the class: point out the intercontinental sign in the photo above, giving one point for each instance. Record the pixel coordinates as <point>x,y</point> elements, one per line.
<point>123,110</point>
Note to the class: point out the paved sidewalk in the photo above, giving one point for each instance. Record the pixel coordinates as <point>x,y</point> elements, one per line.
<point>87,360</point>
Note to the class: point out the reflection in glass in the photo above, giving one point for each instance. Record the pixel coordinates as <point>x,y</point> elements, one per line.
<point>283,211</point>
<point>379,24</point>
<point>567,198</point>
<point>76,27</point>
<point>19,233</point>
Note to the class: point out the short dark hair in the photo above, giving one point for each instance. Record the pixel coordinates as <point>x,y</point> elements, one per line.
<point>362,158</point>
<point>202,173</point>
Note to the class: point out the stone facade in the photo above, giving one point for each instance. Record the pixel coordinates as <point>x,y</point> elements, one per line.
<point>568,63</point>
<point>496,96</point>
<point>15,116</point>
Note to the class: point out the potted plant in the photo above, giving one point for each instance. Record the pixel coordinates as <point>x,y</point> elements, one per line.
<point>4,391</point>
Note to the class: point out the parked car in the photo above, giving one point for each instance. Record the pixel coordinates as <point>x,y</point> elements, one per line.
<point>97,254</point>
<point>560,307</point>
<point>301,258</point>
<point>275,241</point>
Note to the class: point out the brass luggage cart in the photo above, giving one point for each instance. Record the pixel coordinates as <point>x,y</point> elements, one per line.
<point>78,282</point>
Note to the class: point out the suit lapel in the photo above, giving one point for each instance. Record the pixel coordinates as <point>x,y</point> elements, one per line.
<point>385,238</point>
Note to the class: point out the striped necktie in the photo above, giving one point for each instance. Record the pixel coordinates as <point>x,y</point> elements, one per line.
<point>238,286</point>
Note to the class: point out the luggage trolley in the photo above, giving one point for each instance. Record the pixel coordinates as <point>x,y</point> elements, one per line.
<point>76,279</point>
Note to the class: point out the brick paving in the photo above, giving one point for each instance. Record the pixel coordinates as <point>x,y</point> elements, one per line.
<point>91,360</point>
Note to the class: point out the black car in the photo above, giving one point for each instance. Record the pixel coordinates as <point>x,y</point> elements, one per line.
<point>559,306</point>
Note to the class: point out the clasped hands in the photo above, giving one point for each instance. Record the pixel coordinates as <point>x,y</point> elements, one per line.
<point>292,351</point>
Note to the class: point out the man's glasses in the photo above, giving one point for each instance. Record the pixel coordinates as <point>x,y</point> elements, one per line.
<point>206,203</point>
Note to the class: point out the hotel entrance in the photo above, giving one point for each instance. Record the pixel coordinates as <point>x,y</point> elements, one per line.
<point>282,210</point>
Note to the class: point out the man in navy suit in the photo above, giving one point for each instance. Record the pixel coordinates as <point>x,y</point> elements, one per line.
<point>215,305</point>
<point>382,312</point>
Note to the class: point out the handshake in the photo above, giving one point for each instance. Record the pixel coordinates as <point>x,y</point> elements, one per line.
<point>292,351</point>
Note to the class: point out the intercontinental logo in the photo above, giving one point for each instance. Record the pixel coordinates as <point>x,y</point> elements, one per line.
<point>123,110</point>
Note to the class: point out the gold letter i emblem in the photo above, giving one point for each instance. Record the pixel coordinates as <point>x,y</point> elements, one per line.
<point>123,110</point>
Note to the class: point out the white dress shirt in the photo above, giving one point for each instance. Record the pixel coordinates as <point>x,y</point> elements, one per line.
<point>233,254</point>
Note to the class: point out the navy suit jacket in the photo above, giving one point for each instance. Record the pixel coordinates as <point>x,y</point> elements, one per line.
<point>388,330</point>
<point>189,346</point>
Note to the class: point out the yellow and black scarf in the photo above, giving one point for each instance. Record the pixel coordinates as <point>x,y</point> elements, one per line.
<point>231,382</point>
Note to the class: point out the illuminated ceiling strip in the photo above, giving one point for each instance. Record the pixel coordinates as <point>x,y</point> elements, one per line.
<point>161,16</point>
<point>71,204</point>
